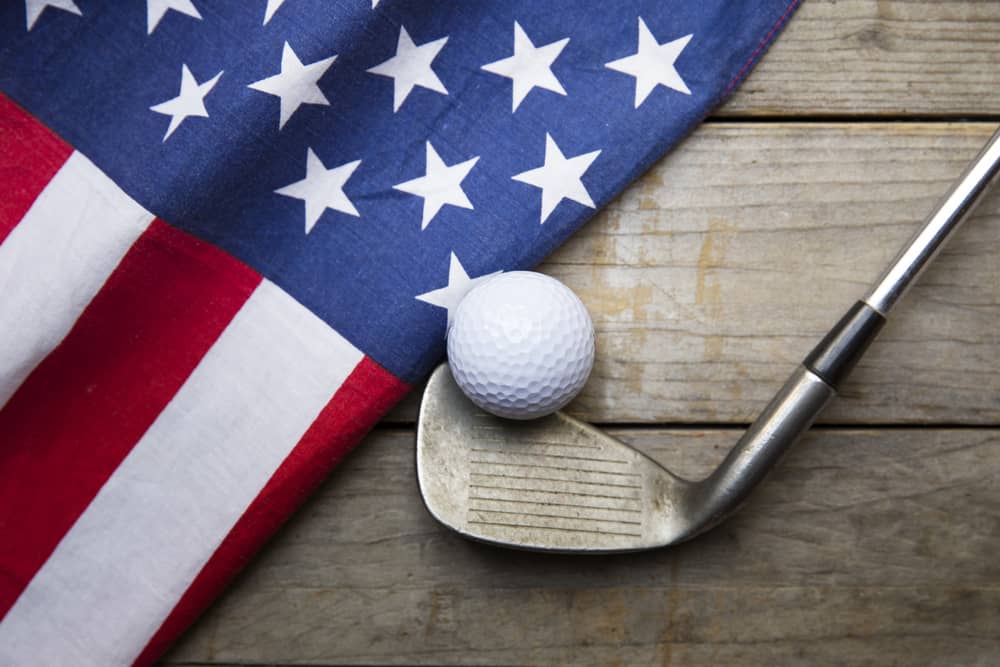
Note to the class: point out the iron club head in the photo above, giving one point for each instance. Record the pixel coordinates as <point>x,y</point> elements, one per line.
<point>552,484</point>
<point>558,484</point>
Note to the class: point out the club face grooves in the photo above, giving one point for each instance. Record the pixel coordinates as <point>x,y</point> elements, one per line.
<point>554,484</point>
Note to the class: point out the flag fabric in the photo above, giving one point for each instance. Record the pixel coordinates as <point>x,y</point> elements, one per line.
<point>232,234</point>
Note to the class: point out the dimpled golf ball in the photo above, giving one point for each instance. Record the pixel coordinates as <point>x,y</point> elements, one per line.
<point>521,345</point>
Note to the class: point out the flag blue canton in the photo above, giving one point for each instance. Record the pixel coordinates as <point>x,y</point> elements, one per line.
<point>375,159</point>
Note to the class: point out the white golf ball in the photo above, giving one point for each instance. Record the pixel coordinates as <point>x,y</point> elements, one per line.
<point>521,345</point>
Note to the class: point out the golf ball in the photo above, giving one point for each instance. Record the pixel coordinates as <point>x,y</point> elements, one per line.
<point>521,345</point>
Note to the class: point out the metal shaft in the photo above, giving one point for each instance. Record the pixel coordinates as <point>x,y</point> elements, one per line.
<point>817,380</point>
<point>939,226</point>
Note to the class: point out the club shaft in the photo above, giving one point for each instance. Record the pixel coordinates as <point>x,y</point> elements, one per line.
<point>818,379</point>
<point>835,356</point>
<point>951,212</point>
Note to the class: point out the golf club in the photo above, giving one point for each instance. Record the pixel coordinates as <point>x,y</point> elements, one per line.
<point>558,484</point>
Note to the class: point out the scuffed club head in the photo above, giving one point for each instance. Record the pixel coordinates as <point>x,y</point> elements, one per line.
<point>552,484</point>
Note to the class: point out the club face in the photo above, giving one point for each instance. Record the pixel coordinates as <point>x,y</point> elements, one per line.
<point>552,484</point>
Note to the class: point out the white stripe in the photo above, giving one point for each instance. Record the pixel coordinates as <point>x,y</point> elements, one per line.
<point>56,259</point>
<point>127,560</point>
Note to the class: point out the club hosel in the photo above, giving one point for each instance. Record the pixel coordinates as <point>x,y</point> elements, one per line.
<point>789,414</point>
<point>836,355</point>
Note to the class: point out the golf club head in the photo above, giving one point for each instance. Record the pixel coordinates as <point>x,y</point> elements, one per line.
<point>550,484</point>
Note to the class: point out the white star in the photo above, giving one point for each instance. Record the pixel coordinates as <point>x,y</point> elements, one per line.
<point>321,189</point>
<point>410,67</point>
<point>272,7</point>
<point>653,64</point>
<point>559,178</point>
<point>189,102</point>
<point>458,286</point>
<point>440,185</point>
<point>374,4</point>
<point>530,66</point>
<point>295,84</point>
<point>155,9</point>
<point>34,8</point>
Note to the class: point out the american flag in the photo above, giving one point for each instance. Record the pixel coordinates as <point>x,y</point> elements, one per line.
<point>232,234</point>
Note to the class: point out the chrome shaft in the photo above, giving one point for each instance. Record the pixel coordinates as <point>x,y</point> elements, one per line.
<point>812,385</point>
<point>939,226</point>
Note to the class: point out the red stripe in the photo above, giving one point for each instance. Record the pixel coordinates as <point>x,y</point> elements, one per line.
<point>365,396</point>
<point>30,155</point>
<point>82,409</point>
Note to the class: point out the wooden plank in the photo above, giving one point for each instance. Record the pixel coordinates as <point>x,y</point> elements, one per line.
<point>711,277</point>
<point>886,58</point>
<point>866,546</point>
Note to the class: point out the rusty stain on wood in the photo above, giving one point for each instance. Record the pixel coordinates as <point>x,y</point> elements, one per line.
<point>708,288</point>
<point>666,641</point>
<point>598,616</point>
<point>440,615</point>
<point>711,257</point>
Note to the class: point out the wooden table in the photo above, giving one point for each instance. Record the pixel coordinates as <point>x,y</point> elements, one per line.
<point>877,541</point>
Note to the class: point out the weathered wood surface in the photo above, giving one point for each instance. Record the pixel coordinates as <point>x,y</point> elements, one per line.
<point>710,278</point>
<point>885,58</point>
<point>864,547</point>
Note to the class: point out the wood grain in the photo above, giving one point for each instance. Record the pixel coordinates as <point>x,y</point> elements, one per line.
<point>711,277</point>
<point>865,547</point>
<point>885,58</point>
